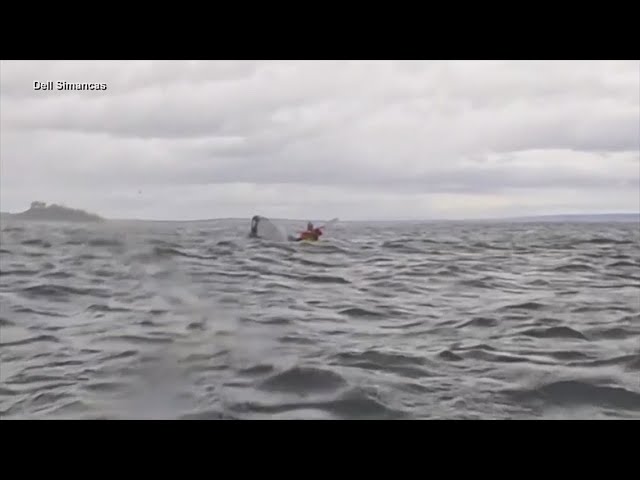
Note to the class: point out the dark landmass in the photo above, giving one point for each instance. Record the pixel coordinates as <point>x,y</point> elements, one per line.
<point>54,213</point>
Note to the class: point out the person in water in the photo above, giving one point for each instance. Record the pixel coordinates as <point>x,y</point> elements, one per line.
<point>310,233</point>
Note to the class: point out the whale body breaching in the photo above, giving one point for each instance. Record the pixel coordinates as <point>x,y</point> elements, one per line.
<point>262,227</point>
<point>254,226</point>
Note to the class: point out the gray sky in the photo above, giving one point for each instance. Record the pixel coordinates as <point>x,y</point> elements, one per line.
<point>323,139</point>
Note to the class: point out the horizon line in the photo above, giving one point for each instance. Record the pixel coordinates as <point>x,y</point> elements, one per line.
<point>484,219</point>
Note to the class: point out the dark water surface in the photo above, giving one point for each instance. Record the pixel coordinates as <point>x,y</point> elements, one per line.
<point>383,321</point>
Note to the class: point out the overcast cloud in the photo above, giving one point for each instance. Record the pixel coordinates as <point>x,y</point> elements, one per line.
<point>320,139</point>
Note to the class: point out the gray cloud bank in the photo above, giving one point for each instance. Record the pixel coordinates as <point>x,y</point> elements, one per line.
<point>319,138</point>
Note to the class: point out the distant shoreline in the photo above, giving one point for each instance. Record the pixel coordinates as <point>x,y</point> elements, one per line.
<point>82,216</point>
<point>41,212</point>
<point>620,217</point>
<point>586,218</point>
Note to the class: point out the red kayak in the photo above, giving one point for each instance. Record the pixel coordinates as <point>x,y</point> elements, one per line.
<point>312,235</point>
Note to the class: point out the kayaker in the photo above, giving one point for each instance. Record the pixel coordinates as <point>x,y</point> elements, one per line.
<point>310,233</point>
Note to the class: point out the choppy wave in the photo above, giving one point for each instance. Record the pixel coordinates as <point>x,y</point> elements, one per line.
<point>197,321</point>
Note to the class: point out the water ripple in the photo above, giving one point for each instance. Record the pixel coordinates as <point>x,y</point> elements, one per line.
<point>195,320</point>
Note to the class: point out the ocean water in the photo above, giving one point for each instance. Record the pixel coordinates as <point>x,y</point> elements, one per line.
<point>379,321</point>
